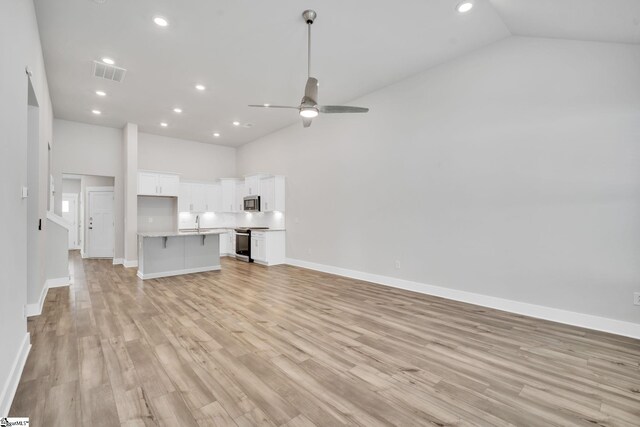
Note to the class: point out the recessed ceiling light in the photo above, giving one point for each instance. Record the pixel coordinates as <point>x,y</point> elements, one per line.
<point>247,125</point>
<point>267,105</point>
<point>96,112</point>
<point>163,124</point>
<point>109,61</point>
<point>101,93</point>
<point>236,123</point>
<point>200,87</point>
<point>160,21</point>
<point>216,134</point>
<point>464,7</point>
<point>177,110</point>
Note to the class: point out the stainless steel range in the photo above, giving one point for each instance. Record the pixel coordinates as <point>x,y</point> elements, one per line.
<point>243,242</point>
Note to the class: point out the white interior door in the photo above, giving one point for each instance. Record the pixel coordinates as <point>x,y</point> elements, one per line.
<point>70,214</point>
<point>100,227</point>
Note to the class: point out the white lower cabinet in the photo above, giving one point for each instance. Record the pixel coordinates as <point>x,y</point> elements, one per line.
<point>228,244</point>
<point>268,247</point>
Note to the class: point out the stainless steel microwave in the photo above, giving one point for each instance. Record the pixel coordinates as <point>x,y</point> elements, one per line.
<point>252,204</point>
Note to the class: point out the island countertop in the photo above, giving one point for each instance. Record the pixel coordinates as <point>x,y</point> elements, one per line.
<point>202,232</point>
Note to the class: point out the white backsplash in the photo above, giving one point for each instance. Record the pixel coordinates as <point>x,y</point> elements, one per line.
<point>233,220</point>
<point>261,219</point>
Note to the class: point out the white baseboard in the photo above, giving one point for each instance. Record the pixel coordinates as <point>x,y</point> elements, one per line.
<point>10,387</point>
<point>59,282</point>
<point>130,263</point>
<point>582,320</point>
<point>177,272</point>
<point>118,261</point>
<point>35,309</point>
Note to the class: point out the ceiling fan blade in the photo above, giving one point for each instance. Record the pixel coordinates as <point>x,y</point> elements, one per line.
<point>330,109</point>
<point>311,90</point>
<point>306,122</point>
<point>273,106</point>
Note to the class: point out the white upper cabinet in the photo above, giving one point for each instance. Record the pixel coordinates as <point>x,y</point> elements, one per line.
<point>184,198</point>
<point>252,185</point>
<point>272,194</point>
<point>239,196</point>
<point>198,198</point>
<point>228,188</point>
<point>147,183</point>
<point>213,198</point>
<point>169,185</point>
<point>158,184</point>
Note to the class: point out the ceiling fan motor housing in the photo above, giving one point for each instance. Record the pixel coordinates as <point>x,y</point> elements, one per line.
<point>309,16</point>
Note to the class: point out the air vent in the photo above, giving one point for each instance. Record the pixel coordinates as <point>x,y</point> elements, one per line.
<point>108,72</point>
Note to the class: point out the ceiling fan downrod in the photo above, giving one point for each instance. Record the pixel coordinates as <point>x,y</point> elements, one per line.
<point>309,16</point>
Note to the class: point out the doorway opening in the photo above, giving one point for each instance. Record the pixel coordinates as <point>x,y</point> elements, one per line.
<point>35,274</point>
<point>88,207</point>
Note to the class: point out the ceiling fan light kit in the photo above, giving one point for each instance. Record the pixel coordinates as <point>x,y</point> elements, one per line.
<point>309,107</point>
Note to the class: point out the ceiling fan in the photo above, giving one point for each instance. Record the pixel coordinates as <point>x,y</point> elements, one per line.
<point>309,107</point>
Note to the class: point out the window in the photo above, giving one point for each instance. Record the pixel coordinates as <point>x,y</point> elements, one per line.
<point>65,206</point>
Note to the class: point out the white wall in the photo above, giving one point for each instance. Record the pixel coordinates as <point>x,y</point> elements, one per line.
<point>157,214</point>
<point>57,259</point>
<point>84,149</point>
<point>20,47</point>
<point>510,172</point>
<point>192,160</point>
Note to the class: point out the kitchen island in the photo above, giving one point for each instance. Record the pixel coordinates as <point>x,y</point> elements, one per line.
<point>164,254</point>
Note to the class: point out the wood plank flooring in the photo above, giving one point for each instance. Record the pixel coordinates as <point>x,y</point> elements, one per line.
<point>283,346</point>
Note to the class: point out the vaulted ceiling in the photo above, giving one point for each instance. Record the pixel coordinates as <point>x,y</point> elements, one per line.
<point>254,52</point>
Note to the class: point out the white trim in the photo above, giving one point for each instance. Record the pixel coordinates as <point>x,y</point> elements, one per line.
<point>58,220</point>
<point>97,189</point>
<point>59,282</point>
<point>130,263</point>
<point>118,261</point>
<point>10,387</point>
<point>35,309</point>
<point>582,320</point>
<point>176,272</point>
<point>269,264</point>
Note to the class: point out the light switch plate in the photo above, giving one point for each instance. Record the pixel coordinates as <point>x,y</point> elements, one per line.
<point>25,192</point>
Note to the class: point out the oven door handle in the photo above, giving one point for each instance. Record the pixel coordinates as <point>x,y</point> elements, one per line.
<point>243,234</point>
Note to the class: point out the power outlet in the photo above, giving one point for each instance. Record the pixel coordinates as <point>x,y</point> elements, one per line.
<point>397,265</point>
<point>636,298</point>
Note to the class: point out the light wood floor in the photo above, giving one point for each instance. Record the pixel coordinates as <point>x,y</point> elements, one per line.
<point>285,346</point>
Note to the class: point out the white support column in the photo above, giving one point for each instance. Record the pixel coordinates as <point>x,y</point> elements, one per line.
<point>130,139</point>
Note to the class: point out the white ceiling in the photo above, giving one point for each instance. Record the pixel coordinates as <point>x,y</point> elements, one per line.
<point>254,52</point>
<point>245,52</point>
<point>615,21</point>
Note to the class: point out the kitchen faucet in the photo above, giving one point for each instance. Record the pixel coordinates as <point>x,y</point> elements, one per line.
<point>198,223</point>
